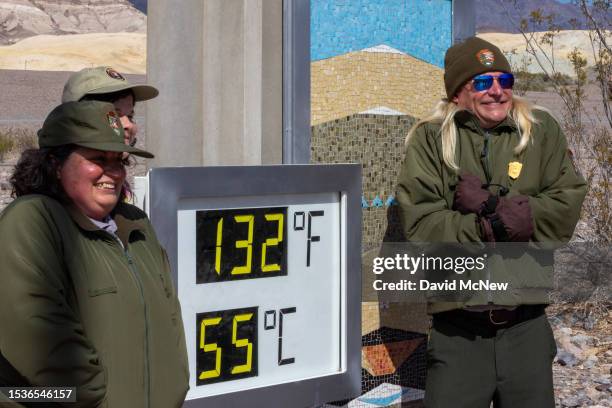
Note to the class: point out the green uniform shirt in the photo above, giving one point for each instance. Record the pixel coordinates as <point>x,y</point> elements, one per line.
<point>79,309</point>
<point>547,176</point>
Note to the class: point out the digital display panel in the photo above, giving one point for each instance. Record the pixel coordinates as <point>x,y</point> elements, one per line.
<point>227,345</point>
<point>293,338</point>
<point>246,331</point>
<point>240,244</point>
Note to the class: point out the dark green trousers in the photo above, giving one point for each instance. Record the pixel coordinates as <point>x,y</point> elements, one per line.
<point>512,367</point>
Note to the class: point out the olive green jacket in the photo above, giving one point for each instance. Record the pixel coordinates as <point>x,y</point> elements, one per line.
<point>547,176</point>
<point>78,308</point>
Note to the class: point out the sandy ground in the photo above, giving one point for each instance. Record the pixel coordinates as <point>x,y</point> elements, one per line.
<point>126,52</point>
<point>565,42</point>
<point>28,96</point>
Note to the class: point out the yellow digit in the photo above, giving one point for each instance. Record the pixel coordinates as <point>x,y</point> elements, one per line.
<point>218,249</point>
<point>246,367</point>
<point>272,242</point>
<point>210,347</point>
<point>245,243</point>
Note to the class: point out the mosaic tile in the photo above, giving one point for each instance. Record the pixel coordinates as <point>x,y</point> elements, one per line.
<point>385,395</point>
<point>386,358</point>
<point>363,138</point>
<point>364,81</point>
<point>411,372</point>
<point>422,28</point>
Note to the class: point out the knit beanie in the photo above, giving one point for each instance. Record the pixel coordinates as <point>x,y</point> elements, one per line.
<point>465,60</point>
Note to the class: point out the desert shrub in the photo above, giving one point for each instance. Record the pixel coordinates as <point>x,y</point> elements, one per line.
<point>24,139</point>
<point>589,134</point>
<point>539,82</point>
<point>15,140</point>
<point>6,145</point>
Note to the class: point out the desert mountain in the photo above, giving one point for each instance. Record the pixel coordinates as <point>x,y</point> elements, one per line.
<point>504,16</point>
<point>20,19</point>
<point>140,5</point>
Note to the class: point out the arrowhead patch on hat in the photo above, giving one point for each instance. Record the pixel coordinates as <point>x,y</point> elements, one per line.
<point>486,57</point>
<point>113,121</point>
<point>114,74</point>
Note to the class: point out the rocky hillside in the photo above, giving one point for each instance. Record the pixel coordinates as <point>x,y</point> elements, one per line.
<point>20,19</point>
<point>504,16</point>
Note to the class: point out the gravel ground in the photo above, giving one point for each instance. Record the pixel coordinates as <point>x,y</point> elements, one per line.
<point>583,365</point>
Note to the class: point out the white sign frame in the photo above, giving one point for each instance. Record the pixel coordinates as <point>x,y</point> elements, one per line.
<point>175,193</point>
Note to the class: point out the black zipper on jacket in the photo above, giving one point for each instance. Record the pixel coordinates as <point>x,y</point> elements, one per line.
<point>484,156</point>
<point>484,160</point>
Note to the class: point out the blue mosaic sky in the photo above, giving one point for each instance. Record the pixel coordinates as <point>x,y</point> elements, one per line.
<point>421,28</point>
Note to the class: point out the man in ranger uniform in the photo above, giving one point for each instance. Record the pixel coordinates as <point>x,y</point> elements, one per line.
<point>487,166</point>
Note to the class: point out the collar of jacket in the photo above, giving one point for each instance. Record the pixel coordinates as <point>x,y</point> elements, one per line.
<point>467,119</point>
<point>126,221</point>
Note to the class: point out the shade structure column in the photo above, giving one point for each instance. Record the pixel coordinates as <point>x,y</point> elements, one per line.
<point>219,67</point>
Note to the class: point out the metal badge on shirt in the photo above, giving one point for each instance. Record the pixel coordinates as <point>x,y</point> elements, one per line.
<point>514,169</point>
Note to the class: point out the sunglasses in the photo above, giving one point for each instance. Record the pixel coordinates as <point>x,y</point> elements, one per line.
<point>483,82</point>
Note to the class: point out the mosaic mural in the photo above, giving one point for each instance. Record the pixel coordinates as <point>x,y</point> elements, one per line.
<point>421,28</point>
<point>375,69</point>
<point>379,79</point>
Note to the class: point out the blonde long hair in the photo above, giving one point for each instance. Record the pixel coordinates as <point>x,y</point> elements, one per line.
<point>445,111</point>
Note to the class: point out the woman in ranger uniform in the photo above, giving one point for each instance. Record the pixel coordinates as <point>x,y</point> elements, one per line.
<point>487,166</point>
<point>86,299</point>
<point>105,84</point>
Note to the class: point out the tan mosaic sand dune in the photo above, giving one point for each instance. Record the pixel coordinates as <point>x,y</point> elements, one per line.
<point>126,52</point>
<point>362,80</point>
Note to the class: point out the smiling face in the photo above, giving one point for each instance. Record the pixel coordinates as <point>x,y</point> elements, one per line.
<point>93,179</point>
<point>125,109</point>
<point>490,106</point>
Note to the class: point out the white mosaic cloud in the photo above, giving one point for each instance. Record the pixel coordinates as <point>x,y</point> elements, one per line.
<point>382,110</point>
<point>384,48</point>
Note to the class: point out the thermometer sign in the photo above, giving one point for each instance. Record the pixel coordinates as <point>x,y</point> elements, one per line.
<point>267,274</point>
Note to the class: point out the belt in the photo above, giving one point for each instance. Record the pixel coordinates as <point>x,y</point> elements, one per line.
<point>490,320</point>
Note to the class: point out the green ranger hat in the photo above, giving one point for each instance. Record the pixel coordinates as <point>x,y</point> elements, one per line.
<point>103,80</point>
<point>465,60</point>
<point>89,124</point>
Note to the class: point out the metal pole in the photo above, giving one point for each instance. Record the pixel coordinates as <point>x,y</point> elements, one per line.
<point>296,81</point>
